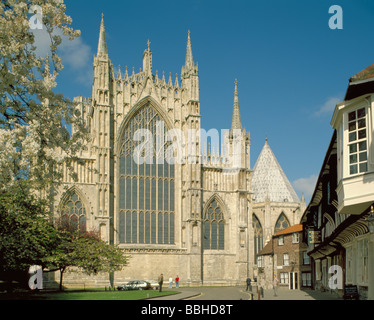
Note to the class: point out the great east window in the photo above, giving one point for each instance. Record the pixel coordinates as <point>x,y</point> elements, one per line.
<point>146,187</point>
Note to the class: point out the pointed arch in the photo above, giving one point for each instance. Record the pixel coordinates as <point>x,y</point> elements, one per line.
<point>282,223</point>
<point>258,236</point>
<point>143,103</point>
<point>214,224</point>
<point>72,210</point>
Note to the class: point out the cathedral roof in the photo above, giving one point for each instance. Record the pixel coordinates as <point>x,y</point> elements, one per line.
<point>269,181</point>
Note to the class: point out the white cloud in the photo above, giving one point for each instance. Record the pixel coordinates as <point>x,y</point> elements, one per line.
<point>328,107</point>
<point>74,54</point>
<point>306,186</point>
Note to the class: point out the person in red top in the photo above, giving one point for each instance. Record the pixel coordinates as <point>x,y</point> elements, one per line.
<point>177,281</point>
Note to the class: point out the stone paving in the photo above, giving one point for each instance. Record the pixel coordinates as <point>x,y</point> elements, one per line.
<point>239,293</point>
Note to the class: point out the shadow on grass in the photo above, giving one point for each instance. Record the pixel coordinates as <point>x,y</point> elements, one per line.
<point>88,294</point>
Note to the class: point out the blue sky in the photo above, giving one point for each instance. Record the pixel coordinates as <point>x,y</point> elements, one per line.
<point>291,67</point>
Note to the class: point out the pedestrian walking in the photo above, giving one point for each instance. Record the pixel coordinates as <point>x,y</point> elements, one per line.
<point>249,286</point>
<point>160,281</point>
<point>275,286</point>
<point>177,281</point>
<point>170,282</point>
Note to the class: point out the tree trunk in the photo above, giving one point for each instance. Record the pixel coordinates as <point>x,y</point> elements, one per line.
<point>61,276</point>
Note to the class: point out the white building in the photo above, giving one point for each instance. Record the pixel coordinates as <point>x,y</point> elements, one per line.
<point>354,123</point>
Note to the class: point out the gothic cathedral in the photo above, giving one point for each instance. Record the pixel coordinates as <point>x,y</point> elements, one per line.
<point>203,218</point>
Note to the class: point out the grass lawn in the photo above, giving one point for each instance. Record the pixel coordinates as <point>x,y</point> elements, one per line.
<point>93,294</point>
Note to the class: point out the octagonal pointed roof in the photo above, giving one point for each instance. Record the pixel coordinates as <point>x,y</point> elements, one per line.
<point>269,181</point>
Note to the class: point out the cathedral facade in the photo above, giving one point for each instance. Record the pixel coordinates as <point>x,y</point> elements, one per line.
<point>145,184</point>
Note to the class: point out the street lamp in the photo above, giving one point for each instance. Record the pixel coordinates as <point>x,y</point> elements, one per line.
<point>370,220</point>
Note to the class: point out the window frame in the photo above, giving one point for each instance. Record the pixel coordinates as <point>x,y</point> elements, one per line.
<point>357,147</point>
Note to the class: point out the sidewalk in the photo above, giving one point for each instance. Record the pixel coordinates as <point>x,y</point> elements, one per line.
<point>305,294</point>
<point>217,293</point>
<point>184,293</point>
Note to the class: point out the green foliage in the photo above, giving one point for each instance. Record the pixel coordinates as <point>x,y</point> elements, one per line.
<point>26,236</point>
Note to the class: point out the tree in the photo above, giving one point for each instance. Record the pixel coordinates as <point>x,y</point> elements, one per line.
<point>34,137</point>
<point>86,252</point>
<point>26,236</point>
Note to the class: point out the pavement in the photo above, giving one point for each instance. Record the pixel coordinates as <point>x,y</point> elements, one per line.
<point>239,293</point>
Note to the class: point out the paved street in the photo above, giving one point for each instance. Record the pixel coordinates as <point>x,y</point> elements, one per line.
<point>239,293</point>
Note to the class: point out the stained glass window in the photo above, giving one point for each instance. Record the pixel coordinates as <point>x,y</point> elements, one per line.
<point>258,236</point>
<point>73,215</point>
<point>146,183</point>
<point>282,223</point>
<point>214,227</point>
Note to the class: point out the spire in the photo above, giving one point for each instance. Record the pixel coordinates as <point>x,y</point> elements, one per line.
<point>189,60</point>
<point>236,119</point>
<point>102,47</point>
<point>190,67</point>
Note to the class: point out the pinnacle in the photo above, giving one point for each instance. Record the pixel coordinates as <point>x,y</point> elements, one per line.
<point>236,119</point>
<point>102,47</point>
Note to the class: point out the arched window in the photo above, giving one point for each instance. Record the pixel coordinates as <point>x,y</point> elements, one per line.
<point>147,183</point>
<point>73,215</point>
<point>214,227</point>
<point>282,223</point>
<point>258,237</point>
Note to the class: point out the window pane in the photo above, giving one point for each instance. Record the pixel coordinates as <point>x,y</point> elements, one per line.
<point>134,227</point>
<point>353,158</point>
<point>361,123</point>
<point>166,228</point>
<point>362,134</point>
<point>172,240</point>
<point>171,195</point>
<point>352,126</point>
<point>141,194</point>
<point>362,146</point>
<point>147,228</point>
<point>134,193</point>
<point>352,136</point>
<point>153,195</point>
<point>353,148</point>
<point>128,227</point>
<point>221,239</point>
<point>160,194</point>
<point>166,195</point>
<point>214,235</point>
<point>160,235</point>
<point>122,227</point>
<point>363,167</point>
<point>147,194</point>
<point>206,235</point>
<point>363,156</point>
<point>352,116</point>
<point>141,227</point>
<point>353,169</point>
<point>153,228</point>
<point>361,113</point>
<point>128,194</point>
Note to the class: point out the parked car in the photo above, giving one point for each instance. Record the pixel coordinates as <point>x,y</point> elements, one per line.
<point>154,284</point>
<point>135,285</point>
